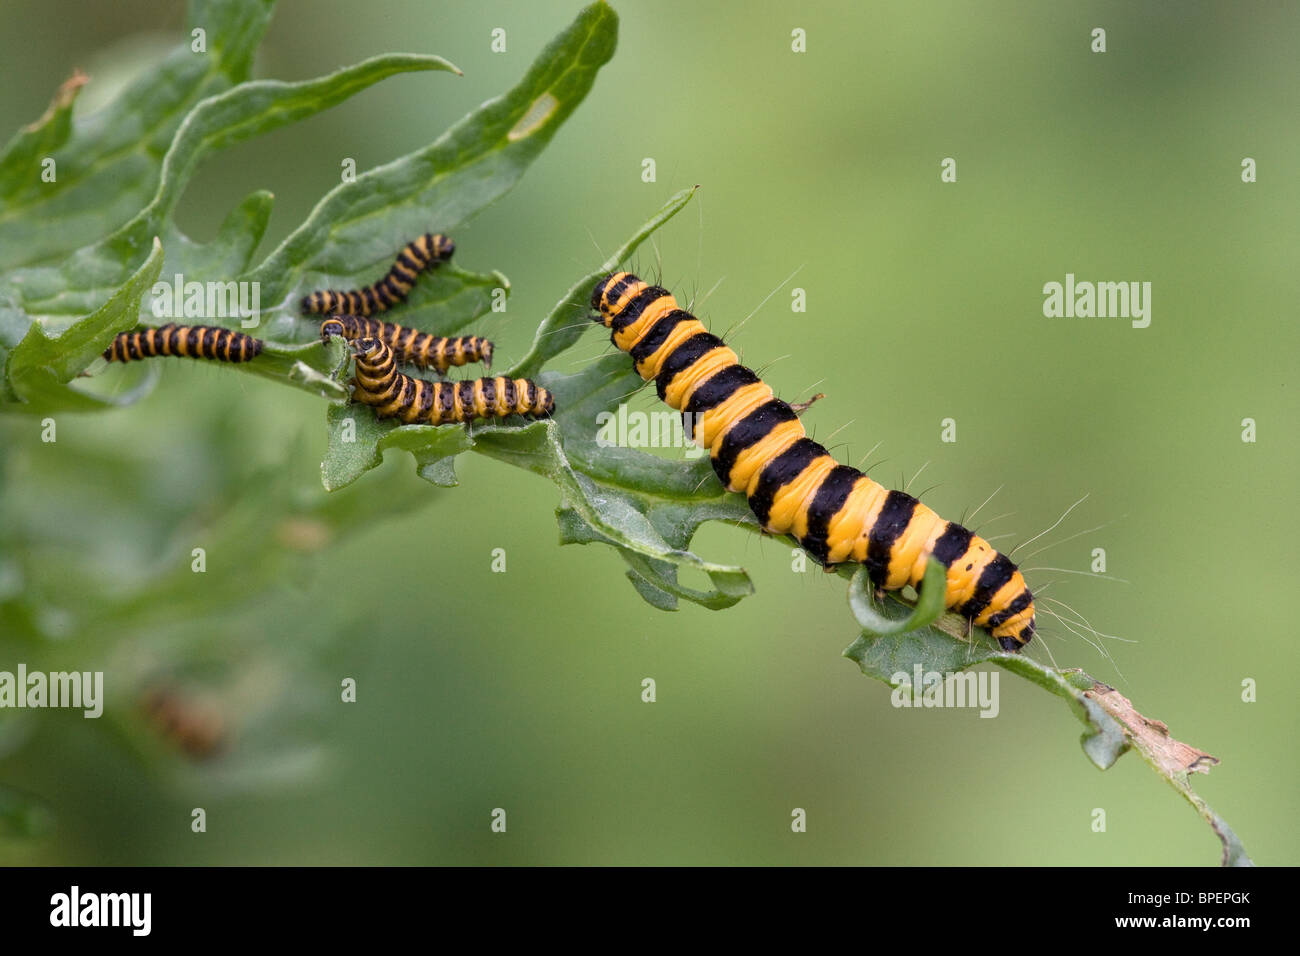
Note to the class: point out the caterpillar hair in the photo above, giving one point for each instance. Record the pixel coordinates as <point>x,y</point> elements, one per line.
<point>758,446</point>
<point>189,341</point>
<point>429,250</point>
<point>379,384</point>
<point>411,346</point>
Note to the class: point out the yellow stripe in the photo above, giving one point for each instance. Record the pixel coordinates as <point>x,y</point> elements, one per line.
<point>712,426</point>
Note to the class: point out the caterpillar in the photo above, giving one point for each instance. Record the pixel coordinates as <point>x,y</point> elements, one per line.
<point>758,446</point>
<point>379,384</point>
<point>190,341</point>
<point>191,725</point>
<point>429,250</point>
<point>409,345</point>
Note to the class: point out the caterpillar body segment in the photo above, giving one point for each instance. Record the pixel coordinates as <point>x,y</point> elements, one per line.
<point>758,447</point>
<point>392,394</point>
<point>410,346</point>
<point>429,250</point>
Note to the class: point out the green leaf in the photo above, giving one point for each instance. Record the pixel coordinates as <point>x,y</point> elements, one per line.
<point>351,235</point>
<point>928,608</point>
<point>357,441</point>
<point>248,110</point>
<point>651,535</point>
<point>568,319</point>
<point>31,144</point>
<point>40,367</point>
<point>23,816</point>
<point>108,164</point>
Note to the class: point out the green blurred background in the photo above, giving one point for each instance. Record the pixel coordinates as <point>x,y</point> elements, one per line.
<point>522,690</point>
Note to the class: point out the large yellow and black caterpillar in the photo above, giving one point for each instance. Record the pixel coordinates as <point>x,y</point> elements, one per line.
<point>411,346</point>
<point>189,341</point>
<point>427,251</point>
<point>758,446</point>
<point>392,394</point>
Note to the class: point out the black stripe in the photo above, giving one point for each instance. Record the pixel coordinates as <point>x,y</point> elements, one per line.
<point>532,395</point>
<point>371,300</point>
<point>640,302</point>
<point>511,393</point>
<point>753,427</point>
<point>407,398</point>
<point>193,340</point>
<point>718,388</point>
<point>1022,601</point>
<point>895,515</point>
<point>952,544</point>
<point>683,357</point>
<point>465,391</point>
<point>995,574</point>
<point>490,392</point>
<point>410,262</point>
<point>426,401</point>
<point>782,470</point>
<point>826,504</point>
<point>421,250</point>
<point>173,343</point>
<point>445,400</point>
<point>658,334</point>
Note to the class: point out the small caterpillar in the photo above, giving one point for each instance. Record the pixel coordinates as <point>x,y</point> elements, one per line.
<point>413,400</point>
<point>191,725</point>
<point>409,345</point>
<point>189,341</point>
<point>757,445</point>
<point>427,251</point>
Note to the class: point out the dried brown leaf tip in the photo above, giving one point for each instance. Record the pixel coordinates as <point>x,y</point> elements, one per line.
<point>63,97</point>
<point>1151,736</point>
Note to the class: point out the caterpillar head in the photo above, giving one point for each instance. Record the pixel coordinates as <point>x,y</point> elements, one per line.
<point>369,349</point>
<point>332,326</point>
<point>441,246</point>
<point>602,302</point>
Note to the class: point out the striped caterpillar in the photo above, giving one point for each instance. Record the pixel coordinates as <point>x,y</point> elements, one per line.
<point>423,253</point>
<point>189,341</point>
<point>392,394</point>
<point>758,446</point>
<point>409,345</point>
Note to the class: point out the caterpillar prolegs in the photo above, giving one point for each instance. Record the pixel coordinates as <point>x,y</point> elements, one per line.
<point>758,446</point>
